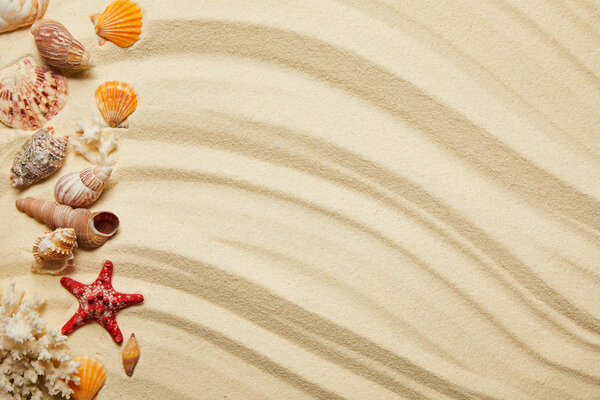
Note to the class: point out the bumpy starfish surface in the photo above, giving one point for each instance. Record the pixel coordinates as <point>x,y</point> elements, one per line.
<point>99,302</point>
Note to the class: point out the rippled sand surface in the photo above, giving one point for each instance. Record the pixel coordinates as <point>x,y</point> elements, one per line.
<point>342,199</point>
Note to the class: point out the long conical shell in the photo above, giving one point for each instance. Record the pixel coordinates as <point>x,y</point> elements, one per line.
<point>58,47</point>
<point>30,94</point>
<point>116,101</point>
<point>121,23</point>
<point>15,14</point>
<point>80,189</point>
<point>92,229</point>
<point>40,156</point>
<point>53,251</point>
<point>130,355</point>
<point>92,376</point>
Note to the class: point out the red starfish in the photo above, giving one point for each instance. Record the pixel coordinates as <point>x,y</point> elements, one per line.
<point>99,302</point>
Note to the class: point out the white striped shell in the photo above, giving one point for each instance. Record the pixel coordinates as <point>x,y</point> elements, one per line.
<point>53,251</point>
<point>15,14</point>
<point>80,189</point>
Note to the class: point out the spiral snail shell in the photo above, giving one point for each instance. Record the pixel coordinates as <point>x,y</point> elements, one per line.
<point>58,47</point>
<point>93,229</point>
<point>80,189</point>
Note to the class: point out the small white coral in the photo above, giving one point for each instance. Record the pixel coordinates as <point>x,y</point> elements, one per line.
<point>94,145</point>
<point>30,356</point>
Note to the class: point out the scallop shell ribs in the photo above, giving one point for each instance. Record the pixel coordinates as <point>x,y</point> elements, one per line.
<point>30,94</point>
<point>120,23</point>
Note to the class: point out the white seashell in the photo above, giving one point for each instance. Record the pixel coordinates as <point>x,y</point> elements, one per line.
<point>80,189</point>
<point>53,251</point>
<point>15,14</point>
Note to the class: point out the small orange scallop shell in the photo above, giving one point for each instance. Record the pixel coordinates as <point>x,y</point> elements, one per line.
<point>121,23</point>
<point>92,377</point>
<point>116,101</point>
<point>30,94</point>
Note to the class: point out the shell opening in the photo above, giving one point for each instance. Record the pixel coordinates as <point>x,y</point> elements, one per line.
<point>105,223</point>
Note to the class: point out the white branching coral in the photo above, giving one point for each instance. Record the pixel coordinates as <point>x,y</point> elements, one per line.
<point>30,356</point>
<point>93,145</point>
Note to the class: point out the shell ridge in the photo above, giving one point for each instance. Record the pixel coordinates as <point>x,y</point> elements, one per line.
<point>25,87</point>
<point>120,23</point>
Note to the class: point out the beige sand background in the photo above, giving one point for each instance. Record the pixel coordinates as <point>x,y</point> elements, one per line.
<point>342,199</point>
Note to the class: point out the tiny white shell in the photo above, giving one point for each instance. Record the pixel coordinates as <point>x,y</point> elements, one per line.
<point>80,189</point>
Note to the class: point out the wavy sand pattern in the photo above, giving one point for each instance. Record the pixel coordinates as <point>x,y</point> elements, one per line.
<point>343,199</point>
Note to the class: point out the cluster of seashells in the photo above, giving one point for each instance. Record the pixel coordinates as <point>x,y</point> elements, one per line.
<point>30,96</point>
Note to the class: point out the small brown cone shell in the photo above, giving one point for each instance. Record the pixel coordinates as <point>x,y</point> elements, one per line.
<point>130,355</point>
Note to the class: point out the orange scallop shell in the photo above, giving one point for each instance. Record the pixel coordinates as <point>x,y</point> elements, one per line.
<point>121,23</point>
<point>92,377</point>
<point>116,101</point>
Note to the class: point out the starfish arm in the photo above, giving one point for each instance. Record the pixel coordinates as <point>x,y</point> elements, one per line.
<point>109,322</point>
<point>126,300</point>
<point>78,319</point>
<point>72,286</point>
<point>106,272</point>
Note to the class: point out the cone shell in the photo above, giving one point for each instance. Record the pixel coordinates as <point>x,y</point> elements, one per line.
<point>93,229</point>
<point>120,23</point>
<point>30,94</point>
<point>41,155</point>
<point>15,14</point>
<point>53,251</point>
<point>130,355</point>
<point>92,377</point>
<point>58,47</point>
<point>80,189</point>
<point>116,101</point>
